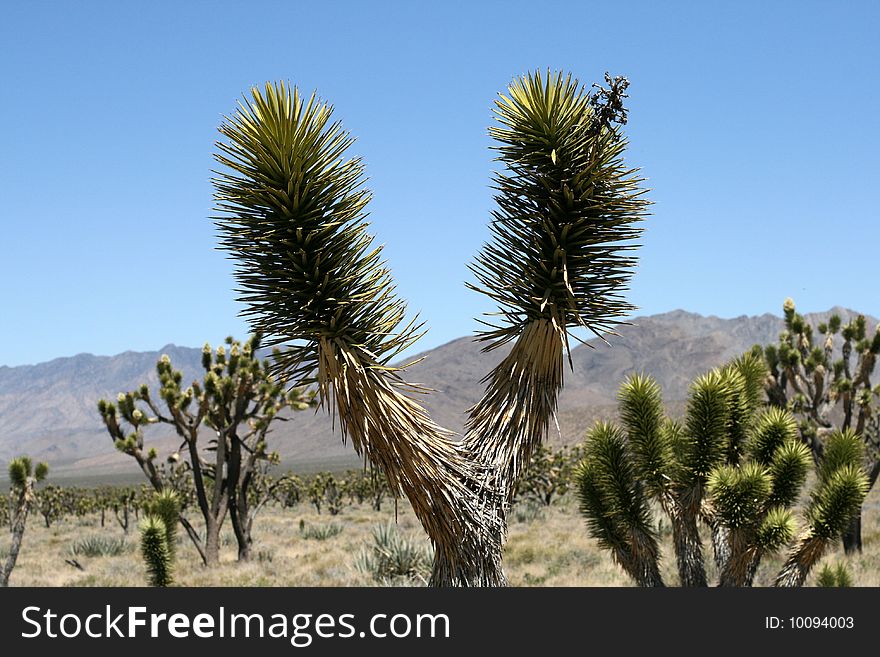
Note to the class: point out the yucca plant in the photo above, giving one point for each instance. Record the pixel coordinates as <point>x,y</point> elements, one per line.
<point>23,477</point>
<point>731,466</point>
<point>837,576</point>
<point>155,552</point>
<point>292,207</point>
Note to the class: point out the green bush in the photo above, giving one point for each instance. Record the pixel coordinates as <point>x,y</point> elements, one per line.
<point>319,532</point>
<point>394,558</point>
<point>98,546</point>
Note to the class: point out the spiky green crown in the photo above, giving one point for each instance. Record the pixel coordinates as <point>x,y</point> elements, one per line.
<point>610,493</point>
<point>788,469</point>
<point>292,208</point>
<point>739,494</point>
<point>19,471</point>
<point>777,529</point>
<point>154,549</point>
<point>641,412</point>
<point>842,448</point>
<point>772,429</point>
<point>22,467</point>
<point>704,442</point>
<point>567,208</point>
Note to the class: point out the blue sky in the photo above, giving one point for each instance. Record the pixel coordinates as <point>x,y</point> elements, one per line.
<point>755,124</point>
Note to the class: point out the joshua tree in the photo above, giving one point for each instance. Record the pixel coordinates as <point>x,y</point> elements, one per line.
<point>829,389</point>
<point>238,401</point>
<point>549,474</point>
<point>291,207</point>
<point>23,477</point>
<point>731,466</point>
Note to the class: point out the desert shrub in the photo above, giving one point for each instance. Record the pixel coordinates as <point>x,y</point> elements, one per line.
<point>837,575</point>
<point>319,532</point>
<point>528,510</point>
<point>394,558</point>
<point>98,546</point>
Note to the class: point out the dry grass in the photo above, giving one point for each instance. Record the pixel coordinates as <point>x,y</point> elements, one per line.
<point>552,549</point>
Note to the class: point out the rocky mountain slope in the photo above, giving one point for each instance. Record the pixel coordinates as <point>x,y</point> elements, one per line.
<point>48,410</point>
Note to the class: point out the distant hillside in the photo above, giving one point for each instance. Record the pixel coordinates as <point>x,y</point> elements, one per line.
<point>48,410</point>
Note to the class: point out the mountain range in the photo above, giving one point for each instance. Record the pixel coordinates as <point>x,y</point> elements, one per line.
<point>49,411</point>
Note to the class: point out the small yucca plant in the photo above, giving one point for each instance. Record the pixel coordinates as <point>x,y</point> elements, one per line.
<point>155,552</point>
<point>837,576</point>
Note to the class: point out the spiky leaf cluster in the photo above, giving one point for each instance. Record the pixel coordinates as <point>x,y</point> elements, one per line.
<point>740,494</point>
<point>617,510</point>
<point>641,412</point>
<point>165,505</point>
<point>567,209</point>
<point>776,529</point>
<point>22,468</point>
<point>773,428</point>
<point>788,468</point>
<point>836,500</point>
<point>705,440</point>
<point>837,576</point>
<point>744,495</point>
<point>842,448</point>
<point>291,206</point>
<point>155,552</point>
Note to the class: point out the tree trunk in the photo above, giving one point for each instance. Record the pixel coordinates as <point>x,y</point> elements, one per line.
<point>18,524</point>
<point>212,543</point>
<point>852,537</point>
<point>688,552</point>
<point>805,554</point>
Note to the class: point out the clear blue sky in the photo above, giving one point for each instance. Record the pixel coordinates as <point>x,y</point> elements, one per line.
<point>755,123</point>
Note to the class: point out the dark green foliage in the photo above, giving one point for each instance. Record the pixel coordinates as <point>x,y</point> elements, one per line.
<point>567,207</point>
<point>154,549</point>
<point>788,470</point>
<point>837,576</point>
<point>743,495</point>
<point>739,494</point>
<point>841,448</point>
<point>838,497</point>
<point>290,189</point>
<point>704,443</point>
<point>642,416</point>
<point>165,505</point>
<point>773,428</point>
<point>19,471</point>
<point>776,530</point>
<point>614,502</point>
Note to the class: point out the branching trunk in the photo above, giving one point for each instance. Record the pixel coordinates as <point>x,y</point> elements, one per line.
<point>447,489</point>
<point>19,520</point>
<point>805,554</point>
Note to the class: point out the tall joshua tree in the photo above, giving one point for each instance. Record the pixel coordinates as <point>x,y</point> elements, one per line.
<point>23,476</point>
<point>292,209</point>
